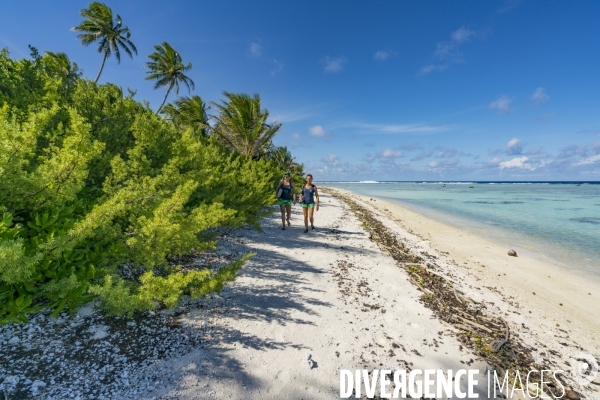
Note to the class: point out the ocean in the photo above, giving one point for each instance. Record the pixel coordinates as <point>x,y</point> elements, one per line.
<point>559,220</point>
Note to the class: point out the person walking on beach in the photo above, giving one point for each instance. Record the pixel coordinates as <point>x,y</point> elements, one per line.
<point>308,195</point>
<point>286,195</point>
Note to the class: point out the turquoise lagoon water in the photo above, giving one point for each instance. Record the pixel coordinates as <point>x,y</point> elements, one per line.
<point>560,221</point>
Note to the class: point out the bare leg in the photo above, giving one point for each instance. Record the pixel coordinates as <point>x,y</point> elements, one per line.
<point>282,208</point>
<point>312,220</point>
<point>305,211</point>
<point>289,213</point>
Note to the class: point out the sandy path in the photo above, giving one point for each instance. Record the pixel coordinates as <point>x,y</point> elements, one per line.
<point>331,294</point>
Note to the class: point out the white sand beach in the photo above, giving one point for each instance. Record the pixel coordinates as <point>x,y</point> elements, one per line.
<point>308,305</point>
<point>547,291</point>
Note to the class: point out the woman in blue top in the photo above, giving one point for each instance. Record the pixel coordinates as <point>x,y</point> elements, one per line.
<point>308,196</point>
<point>288,195</point>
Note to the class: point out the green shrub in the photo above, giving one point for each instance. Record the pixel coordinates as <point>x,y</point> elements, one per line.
<point>92,179</point>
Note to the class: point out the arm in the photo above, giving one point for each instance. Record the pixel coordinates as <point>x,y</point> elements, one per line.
<point>293,193</point>
<point>317,198</point>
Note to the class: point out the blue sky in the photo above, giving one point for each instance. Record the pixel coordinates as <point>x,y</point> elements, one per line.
<point>388,90</point>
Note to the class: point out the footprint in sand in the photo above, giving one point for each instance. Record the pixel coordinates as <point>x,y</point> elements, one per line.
<point>381,340</point>
<point>390,318</point>
<point>277,333</point>
<point>281,379</point>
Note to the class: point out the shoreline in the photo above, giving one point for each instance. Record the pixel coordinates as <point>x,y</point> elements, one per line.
<point>500,235</point>
<point>518,275</point>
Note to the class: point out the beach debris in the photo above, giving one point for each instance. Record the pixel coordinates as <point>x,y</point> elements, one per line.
<point>310,361</point>
<point>572,395</point>
<point>512,253</point>
<point>497,344</point>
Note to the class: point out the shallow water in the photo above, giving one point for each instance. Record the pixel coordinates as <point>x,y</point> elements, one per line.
<point>559,220</point>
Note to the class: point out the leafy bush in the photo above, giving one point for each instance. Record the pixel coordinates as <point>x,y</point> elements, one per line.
<point>92,179</point>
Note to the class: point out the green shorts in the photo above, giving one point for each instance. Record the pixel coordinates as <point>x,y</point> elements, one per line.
<point>309,205</point>
<point>286,203</point>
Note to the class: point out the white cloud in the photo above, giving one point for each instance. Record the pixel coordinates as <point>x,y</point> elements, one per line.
<point>425,154</point>
<point>317,131</point>
<point>540,96</point>
<point>508,5</point>
<point>462,34</point>
<point>334,166</point>
<point>518,162</point>
<point>389,153</point>
<point>335,64</point>
<point>433,67</point>
<point>332,159</point>
<point>448,51</point>
<point>405,128</point>
<point>290,116</point>
<point>256,50</point>
<point>589,160</point>
<point>502,104</point>
<point>448,152</point>
<point>514,146</point>
<point>368,158</point>
<point>383,55</point>
<point>445,166</point>
<point>494,162</point>
<point>277,68</point>
<point>296,136</point>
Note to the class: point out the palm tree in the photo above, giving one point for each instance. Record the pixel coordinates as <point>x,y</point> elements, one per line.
<point>242,125</point>
<point>99,26</point>
<point>282,157</point>
<point>61,65</point>
<point>167,69</point>
<point>189,112</point>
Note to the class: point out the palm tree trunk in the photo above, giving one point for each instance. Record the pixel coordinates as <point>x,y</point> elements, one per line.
<point>101,67</point>
<point>165,99</point>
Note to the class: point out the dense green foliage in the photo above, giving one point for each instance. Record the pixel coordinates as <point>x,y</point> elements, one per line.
<point>92,179</point>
